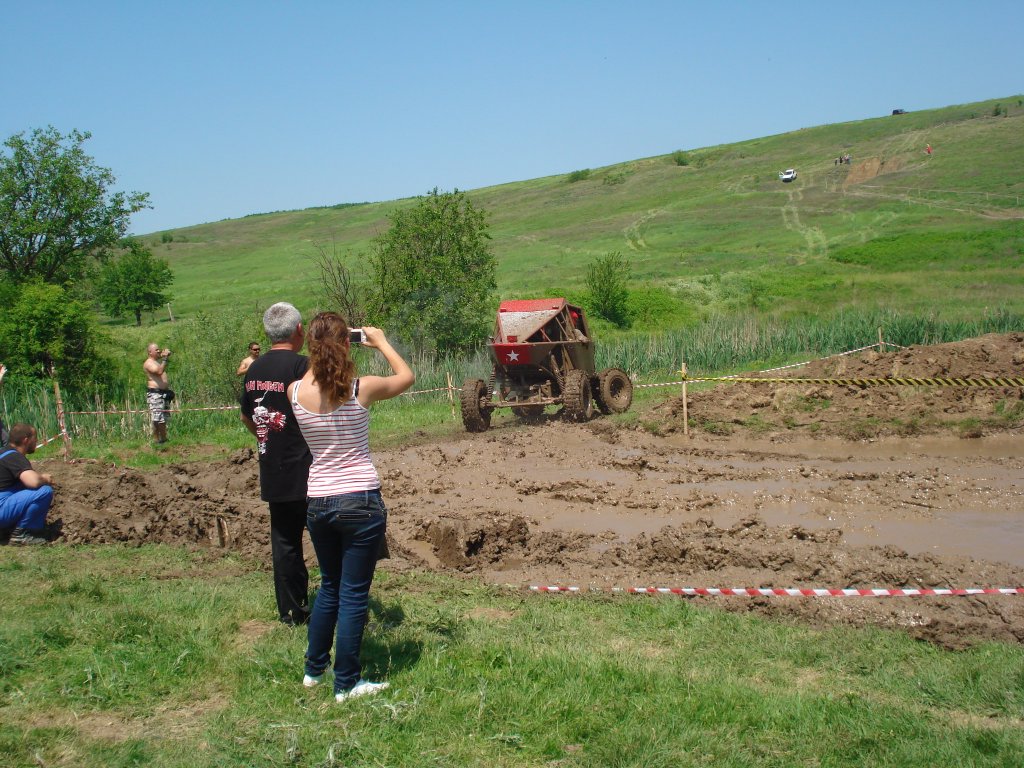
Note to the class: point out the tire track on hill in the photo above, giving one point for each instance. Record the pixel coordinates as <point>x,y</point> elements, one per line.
<point>817,242</point>
<point>634,232</point>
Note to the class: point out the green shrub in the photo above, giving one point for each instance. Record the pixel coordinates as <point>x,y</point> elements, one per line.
<point>606,284</point>
<point>680,158</point>
<point>653,306</point>
<point>581,175</point>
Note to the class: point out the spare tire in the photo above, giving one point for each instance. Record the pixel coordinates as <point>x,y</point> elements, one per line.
<point>614,391</point>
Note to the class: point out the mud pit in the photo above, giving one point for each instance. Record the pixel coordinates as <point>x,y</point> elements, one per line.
<point>795,485</point>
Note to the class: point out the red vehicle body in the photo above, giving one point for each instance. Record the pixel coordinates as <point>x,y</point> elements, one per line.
<point>543,355</point>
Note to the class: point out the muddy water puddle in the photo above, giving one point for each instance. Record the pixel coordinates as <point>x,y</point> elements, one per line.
<point>941,496</point>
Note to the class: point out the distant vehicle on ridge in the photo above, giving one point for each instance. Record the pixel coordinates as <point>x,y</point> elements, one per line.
<point>787,175</point>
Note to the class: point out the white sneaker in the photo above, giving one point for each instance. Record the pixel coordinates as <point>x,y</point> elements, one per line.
<point>362,688</point>
<point>312,681</point>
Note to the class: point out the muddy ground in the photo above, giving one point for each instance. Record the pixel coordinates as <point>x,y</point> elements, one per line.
<point>782,485</point>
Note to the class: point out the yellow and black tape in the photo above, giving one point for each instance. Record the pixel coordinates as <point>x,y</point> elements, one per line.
<point>889,381</point>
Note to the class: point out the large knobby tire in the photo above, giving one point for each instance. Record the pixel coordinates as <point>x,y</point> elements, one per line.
<point>614,391</point>
<point>531,414</point>
<point>475,416</point>
<point>576,397</point>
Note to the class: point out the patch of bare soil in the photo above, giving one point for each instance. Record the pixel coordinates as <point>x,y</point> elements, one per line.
<point>870,168</point>
<point>789,485</point>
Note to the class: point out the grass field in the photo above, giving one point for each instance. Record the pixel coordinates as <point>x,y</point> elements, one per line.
<point>162,657</point>
<point>719,234</point>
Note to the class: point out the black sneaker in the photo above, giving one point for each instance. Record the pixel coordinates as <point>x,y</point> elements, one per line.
<point>26,536</point>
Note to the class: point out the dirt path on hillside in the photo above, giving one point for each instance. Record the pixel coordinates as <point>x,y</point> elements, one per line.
<point>791,485</point>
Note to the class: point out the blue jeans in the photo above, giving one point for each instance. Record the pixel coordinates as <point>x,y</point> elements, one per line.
<point>23,507</point>
<point>346,531</point>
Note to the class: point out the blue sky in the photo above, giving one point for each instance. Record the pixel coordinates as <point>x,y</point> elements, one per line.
<point>221,109</point>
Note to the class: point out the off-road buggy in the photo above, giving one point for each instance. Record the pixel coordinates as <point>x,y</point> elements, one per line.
<point>543,355</point>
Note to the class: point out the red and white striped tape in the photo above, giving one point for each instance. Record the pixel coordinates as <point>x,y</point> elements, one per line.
<point>791,591</point>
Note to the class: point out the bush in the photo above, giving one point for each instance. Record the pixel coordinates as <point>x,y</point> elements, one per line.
<point>44,328</point>
<point>606,284</point>
<point>579,175</point>
<point>652,307</point>
<point>680,158</point>
<point>207,349</point>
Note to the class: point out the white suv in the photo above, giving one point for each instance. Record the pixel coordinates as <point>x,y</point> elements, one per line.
<point>787,175</point>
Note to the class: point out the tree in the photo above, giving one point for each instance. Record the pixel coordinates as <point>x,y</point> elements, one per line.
<point>134,282</point>
<point>56,208</point>
<point>43,327</point>
<point>434,273</point>
<point>339,289</point>
<point>606,282</point>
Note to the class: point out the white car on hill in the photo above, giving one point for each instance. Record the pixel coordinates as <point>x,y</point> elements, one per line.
<point>787,175</point>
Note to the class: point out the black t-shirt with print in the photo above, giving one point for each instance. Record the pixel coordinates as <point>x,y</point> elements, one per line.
<point>11,467</point>
<point>284,456</point>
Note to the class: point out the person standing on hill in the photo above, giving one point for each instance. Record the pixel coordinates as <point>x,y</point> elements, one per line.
<point>347,519</point>
<point>25,495</point>
<point>158,392</point>
<point>283,455</point>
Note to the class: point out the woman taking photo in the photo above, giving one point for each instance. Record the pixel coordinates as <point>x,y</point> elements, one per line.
<point>346,517</point>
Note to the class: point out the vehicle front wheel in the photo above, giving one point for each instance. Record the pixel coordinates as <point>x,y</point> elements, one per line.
<point>476,416</point>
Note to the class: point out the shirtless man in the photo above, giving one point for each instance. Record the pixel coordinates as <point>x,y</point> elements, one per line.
<point>254,352</point>
<point>158,393</point>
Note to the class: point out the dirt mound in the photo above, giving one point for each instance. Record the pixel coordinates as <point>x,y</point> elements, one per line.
<point>780,502</point>
<point>856,412</point>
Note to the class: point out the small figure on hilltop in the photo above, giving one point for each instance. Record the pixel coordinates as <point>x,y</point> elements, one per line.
<point>158,394</point>
<point>254,353</point>
<point>927,149</point>
<point>25,495</point>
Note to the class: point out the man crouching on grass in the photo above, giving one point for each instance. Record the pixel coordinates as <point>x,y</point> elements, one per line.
<point>25,495</point>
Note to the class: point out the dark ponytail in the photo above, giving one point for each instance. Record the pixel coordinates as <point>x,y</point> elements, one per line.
<point>333,369</point>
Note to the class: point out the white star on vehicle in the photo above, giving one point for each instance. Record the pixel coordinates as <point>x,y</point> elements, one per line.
<point>513,356</point>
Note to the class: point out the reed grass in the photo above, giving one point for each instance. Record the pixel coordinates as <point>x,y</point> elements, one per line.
<point>721,345</point>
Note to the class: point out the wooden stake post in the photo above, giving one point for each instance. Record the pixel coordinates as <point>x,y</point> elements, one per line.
<point>451,398</point>
<point>686,415</point>
<point>61,425</point>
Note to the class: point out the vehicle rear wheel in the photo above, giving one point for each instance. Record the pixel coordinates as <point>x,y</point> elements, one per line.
<point>614,391</point>
<point>576,397</point>
<point>475,415</point>
<point>531,414</point>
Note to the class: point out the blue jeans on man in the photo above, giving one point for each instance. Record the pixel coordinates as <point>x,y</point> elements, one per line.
<point>346,531</point>
<point>22,507</point>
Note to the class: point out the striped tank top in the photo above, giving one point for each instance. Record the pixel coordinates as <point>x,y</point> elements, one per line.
<point>340,444</point>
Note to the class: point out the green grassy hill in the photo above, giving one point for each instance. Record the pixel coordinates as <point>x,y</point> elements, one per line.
<point>896,227</point>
